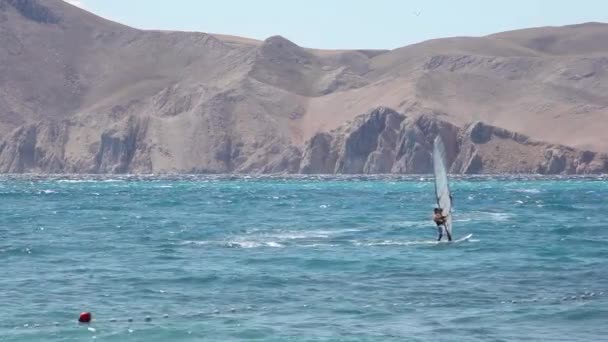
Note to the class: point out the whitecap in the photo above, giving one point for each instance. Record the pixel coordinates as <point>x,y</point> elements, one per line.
<point>300,235</point>
<point>198,243</point>
<point>243,244</point>
<point>529,191</point>
<point>394,243</point>
<point>500,216</point>
<point>327,233</point>
<point>319,245</point>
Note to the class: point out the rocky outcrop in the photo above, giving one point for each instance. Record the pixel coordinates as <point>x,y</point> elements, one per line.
<point>32,10</point>
<point>135,145</point>
<point>380,141</point>
<point>123,149</point>
<point>319,156</point>
<point>489,149</point>
<point>365,145</point>
<point>42,148</point>
<point>34,148</point>
<point>383,141</point>
<point>416,143</point>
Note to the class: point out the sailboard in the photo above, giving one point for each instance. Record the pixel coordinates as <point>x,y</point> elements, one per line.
<point>462,239</point>
<point>466,238</point>
<point>442,188</point>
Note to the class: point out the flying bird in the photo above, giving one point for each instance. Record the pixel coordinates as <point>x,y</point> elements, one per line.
<point>417,13</point>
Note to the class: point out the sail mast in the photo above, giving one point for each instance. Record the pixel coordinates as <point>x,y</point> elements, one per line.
<point>442,189</point>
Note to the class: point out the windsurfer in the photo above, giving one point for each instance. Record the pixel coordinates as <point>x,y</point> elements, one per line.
<point>440,220</point>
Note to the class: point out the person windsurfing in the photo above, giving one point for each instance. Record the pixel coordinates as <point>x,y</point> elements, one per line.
<point>440,220</point>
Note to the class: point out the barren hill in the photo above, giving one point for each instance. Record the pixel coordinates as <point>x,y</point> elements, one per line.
<point>82,94</point>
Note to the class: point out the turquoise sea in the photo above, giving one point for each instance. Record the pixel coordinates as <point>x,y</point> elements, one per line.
<point>220,258</point>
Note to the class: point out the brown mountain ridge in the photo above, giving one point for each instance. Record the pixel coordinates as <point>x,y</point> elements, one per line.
<point>80,94</point>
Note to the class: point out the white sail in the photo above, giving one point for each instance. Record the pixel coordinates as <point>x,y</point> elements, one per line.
<point>442,189</point>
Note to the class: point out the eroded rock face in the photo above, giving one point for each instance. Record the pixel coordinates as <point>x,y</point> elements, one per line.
<point>379,141</point>
<point>33,10</point>
<point>318,156</point>
<point>369,144</point>
<point>416,143</point>
<point>384,141</point>
<point>34,148</point>
<point>365,145</point>
<point>122,147</point>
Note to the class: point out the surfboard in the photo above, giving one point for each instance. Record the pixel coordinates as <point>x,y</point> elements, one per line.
<point>463,238</point>
<point>445,242</point>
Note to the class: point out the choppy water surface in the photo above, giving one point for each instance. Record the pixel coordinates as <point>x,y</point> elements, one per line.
<point>301,259</point>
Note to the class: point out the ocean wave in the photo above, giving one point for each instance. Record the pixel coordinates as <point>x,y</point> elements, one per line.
<point>197,243</point>
<point>486,216</point>
<point>422,178</point>
<point>501,216</point>
<point>255,238</point>
<point>298,236</point>
<point>313,245</point>
<point>252,244</point>
<point>394,243</point>
<point>47,192</point>
<point>75,181</point>
<point>235,243</point>
<point>528,191</point>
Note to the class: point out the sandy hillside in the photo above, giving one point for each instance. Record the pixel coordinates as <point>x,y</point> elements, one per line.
<point>83,94</point>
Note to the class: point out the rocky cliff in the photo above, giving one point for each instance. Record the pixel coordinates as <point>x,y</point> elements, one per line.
<point>384,141</point>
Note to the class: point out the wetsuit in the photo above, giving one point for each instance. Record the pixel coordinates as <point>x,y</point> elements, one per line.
<point>440,221</point>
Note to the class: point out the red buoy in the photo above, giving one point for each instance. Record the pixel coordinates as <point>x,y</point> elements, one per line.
<point>85,317</point>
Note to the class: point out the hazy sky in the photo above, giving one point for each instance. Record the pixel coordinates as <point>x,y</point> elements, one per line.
<point>334,24</point>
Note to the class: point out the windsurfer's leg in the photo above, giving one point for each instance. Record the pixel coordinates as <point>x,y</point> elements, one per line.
<point>440,230</point>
